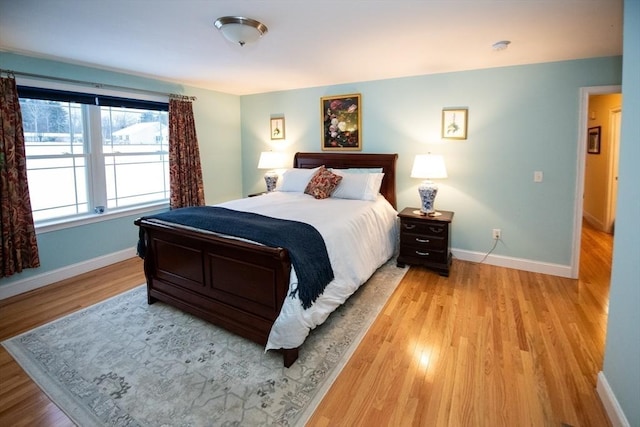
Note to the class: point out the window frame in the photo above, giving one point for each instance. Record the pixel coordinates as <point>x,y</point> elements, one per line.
<point>92,217</point>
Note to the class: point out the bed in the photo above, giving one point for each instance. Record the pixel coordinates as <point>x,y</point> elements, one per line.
<point>245,287</point>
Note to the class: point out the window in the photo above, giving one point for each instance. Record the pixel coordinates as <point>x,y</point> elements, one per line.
<point>90,153</point>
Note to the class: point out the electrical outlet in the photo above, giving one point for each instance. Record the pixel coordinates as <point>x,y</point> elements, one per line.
<point>497,234</point>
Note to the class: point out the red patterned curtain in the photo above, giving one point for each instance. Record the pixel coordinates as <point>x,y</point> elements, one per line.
<point>185,172</point>
<point>19,245</point>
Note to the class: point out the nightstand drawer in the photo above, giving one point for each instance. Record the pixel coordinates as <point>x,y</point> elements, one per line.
<point>423,241</point>
<point>420,255</point>
<point>422,227</point>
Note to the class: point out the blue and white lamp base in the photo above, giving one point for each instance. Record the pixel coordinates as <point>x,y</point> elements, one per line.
<point>428,191</point>
<point>271,179</point>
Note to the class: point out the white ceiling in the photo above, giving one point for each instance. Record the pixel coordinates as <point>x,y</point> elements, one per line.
<point>309,42</point>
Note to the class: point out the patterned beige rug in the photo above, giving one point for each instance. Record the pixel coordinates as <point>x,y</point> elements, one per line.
<point>126,363</point>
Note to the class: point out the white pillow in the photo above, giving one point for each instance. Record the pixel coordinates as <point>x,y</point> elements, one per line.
<point>357,170</point>
<point>295,180</point>
<point>362,170</point>
<point>359,186</point>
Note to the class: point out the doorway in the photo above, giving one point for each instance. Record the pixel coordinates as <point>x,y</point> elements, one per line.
<point>600,187</point>
<point>591,118</point>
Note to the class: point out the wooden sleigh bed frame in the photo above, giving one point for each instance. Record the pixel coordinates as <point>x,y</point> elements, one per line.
<point>237,285</point>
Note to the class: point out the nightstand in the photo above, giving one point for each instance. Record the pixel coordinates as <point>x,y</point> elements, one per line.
<point>425,240</point>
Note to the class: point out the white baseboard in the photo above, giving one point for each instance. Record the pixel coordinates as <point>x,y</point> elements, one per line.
<point>49,277</point>
<point>610,403</point>
<point>595,222</point>
<point>517,263</point>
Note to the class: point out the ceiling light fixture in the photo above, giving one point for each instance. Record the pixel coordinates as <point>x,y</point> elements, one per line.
<point>501,45</point>
<point>240,30</point>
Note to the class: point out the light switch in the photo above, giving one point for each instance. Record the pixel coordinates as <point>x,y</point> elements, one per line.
<point>537,176</point>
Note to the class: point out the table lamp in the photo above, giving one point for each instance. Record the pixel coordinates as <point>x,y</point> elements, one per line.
<point>271,160</point>
<point>428,166</point>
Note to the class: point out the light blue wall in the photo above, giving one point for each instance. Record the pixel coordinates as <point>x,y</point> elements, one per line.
<point>217,118</point>
<point>622,350</point>
<point>521,119</point>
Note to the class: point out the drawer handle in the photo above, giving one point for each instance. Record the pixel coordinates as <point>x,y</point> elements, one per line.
<point>422,253</point>
<point>409,226</point>
<point>436,229</point>
<point>422,240</point>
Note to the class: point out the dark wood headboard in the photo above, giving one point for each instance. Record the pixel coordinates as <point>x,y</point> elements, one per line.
<point>355,160</point>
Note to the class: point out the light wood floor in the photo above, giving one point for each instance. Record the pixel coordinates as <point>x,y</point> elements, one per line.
<point>488,346</point>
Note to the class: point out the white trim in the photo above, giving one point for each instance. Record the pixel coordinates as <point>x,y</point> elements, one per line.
<point>610,403</point>
<point>49,277</point>
<point>67,272</point>
<point>55,225</point>
<point>595,222</point>
<point>583,117</point>
<point>517,263</point>
<point>614,156</point>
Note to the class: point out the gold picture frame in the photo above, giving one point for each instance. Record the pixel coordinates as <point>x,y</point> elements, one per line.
<point>454,123</point>
<point>341,122</point>
<point>277,128</point>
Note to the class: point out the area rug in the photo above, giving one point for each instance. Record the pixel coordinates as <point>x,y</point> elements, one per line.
<point>123,362</point>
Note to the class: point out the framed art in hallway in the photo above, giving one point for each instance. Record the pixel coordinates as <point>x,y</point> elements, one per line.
<point>454,123</point>
<point>341,121</point>
<point>593,140</point>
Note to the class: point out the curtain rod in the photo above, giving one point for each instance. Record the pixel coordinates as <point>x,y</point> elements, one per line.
<point>95,85</point>
<point>182,97</point>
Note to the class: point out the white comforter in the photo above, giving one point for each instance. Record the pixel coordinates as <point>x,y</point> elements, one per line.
<point>360,236</point>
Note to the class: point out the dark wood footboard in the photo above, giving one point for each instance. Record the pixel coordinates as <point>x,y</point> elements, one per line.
<point>237,285</point>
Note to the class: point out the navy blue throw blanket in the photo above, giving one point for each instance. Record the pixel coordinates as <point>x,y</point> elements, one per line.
<point>304,243</point>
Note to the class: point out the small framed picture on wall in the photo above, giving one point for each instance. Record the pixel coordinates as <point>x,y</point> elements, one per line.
<point>454,123</point>
<point>277,128</point>
<point>593,140</point>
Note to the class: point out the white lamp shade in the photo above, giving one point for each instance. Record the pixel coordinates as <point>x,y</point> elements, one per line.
<point>272,160</point>
<point>428,166</point>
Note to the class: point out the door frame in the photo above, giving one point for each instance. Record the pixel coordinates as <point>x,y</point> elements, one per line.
<point>614,157</point>
<point>583,120</point>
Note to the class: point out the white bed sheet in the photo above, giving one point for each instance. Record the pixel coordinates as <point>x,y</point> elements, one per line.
<point>359,235</point>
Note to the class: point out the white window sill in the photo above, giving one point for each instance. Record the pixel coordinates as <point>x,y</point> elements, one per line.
<point>55,225</point>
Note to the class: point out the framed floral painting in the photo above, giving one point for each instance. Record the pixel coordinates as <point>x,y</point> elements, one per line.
<point>454,123</point>
<point>341,118</point>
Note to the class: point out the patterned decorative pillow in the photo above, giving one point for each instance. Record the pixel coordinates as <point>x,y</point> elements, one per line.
<point>322,183</point>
